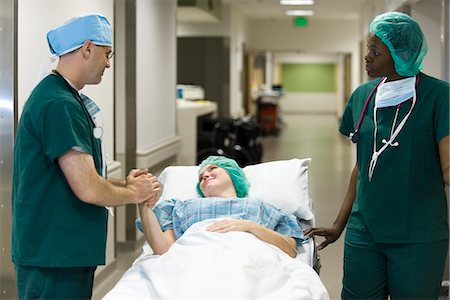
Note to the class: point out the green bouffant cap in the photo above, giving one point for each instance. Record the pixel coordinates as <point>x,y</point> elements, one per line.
<point>404,39</point>
<point>237,175</point>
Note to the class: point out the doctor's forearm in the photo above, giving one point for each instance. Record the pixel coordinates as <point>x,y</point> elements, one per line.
<point>88,186</point>
<point>117,182</point>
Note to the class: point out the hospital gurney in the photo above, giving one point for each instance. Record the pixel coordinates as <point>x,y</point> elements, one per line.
<point>202,265</point>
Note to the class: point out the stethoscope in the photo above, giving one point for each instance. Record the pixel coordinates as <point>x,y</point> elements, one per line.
<point>354,136</point>
<point>97,130</point>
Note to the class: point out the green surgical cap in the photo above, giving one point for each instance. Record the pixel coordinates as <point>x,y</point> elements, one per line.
<point>404,39</point>
<point>237,175</point>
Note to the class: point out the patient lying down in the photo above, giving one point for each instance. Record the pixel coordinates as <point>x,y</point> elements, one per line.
<point>222,245</point>
<point>224,187</point>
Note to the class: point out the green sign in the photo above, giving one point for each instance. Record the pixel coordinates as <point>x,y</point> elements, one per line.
<point>300,22</point>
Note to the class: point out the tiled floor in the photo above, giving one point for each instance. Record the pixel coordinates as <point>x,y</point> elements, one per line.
<point>304,135</point>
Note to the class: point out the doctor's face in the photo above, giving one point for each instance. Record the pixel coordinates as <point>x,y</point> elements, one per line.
<point>100,60</point>
<point>379,61</point>
<point>214,180</point>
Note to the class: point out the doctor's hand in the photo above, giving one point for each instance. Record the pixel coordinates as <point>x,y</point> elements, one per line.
<point>331,234</point>
<point>144,185</point>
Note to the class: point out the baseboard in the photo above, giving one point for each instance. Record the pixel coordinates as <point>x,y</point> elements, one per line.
<point>102,274</point>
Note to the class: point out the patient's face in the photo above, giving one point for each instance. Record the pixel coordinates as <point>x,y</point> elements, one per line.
<point>215,182</point>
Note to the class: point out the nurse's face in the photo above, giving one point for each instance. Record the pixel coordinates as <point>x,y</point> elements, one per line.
<point>379,61</point>
<point>214,181</point>
<point>99,62</point>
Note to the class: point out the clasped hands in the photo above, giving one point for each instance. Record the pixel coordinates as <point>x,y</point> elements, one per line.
<point>145,185</point>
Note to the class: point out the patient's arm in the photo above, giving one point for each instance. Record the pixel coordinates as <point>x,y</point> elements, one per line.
<point>287,244</point>
<point>158,240</point>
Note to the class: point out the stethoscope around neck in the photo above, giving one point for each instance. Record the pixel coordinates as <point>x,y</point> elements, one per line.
<point>97,130</point>
<point>395,131</point>
<point>354,136</point>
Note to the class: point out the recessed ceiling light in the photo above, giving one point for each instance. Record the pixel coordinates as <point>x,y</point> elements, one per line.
<point>296,2</point>
<point>299,12</point>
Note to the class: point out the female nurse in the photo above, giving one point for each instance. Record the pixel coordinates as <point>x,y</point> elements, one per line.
<point>395,208</point>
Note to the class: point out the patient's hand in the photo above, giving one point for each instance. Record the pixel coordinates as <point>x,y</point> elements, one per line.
<point>229,224</point>
<point>144,185</point>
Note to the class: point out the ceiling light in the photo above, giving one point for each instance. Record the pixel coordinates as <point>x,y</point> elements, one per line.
<point>299,12</point>
<point>296,2</point>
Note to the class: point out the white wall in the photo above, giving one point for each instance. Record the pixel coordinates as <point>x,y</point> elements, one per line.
<point>219,28</point>
<point>155,72</point>
<point>238,37</point>
<point>428,15</point>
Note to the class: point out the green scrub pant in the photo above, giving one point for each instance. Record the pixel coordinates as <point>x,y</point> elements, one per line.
<point>402,271</point>
<point>54,283</point>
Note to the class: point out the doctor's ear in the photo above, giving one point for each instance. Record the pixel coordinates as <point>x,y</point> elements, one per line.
<point>86,48</point>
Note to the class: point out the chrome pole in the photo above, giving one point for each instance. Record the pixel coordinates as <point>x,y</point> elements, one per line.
<point>8,119</point>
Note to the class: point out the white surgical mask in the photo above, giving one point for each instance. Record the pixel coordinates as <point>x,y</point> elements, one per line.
<point>393,93</point>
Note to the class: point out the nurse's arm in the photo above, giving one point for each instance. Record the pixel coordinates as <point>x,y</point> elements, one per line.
<point>445,159</point>
<point>333,232</point>
<point>82,177</point>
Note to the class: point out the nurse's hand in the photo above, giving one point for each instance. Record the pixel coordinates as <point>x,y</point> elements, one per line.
<point>331,234</point>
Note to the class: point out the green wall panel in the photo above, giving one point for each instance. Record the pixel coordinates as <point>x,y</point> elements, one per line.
<point>308,77</point>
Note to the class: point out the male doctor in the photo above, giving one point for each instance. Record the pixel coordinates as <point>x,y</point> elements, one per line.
<point>59,187</point>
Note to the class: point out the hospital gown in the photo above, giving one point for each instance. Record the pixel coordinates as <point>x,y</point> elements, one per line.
<point>179,215</point>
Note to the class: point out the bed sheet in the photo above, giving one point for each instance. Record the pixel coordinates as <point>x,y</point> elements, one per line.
<point>210,265</point>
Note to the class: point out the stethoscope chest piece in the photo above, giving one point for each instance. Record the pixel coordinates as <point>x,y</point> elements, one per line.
<point>354,137</point>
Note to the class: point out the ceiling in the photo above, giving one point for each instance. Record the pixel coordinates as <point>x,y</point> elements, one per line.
<point>323,9</point>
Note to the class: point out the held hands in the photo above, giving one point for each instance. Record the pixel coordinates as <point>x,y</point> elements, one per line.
<point>145,185</point>
<point>331,234</point>
<point>229,224</point>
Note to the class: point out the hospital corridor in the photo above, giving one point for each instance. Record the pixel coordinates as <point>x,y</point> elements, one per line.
<point>224,149</point>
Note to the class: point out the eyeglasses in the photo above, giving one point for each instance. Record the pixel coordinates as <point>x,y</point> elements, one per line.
<point>110,55</point>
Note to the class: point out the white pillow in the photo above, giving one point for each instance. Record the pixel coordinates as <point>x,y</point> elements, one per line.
<point>282,183</point>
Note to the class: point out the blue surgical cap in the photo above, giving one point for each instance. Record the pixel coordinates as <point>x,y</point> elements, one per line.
<point>237,175</point>
<point>404,39</point>
<point>71,35</point>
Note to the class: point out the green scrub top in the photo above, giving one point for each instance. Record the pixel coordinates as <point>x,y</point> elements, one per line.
<point>405,202</point>
<point>51,227</point>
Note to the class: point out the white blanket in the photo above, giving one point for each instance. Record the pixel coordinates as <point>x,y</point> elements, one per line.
<point>209,265</point>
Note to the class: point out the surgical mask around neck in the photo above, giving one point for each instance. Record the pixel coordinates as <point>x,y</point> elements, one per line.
<point>393,93</point>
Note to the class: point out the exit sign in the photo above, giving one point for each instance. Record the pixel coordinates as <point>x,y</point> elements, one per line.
<point>300,22</point>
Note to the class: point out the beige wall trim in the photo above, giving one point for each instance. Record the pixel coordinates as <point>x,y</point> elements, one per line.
<point>151,156</point>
